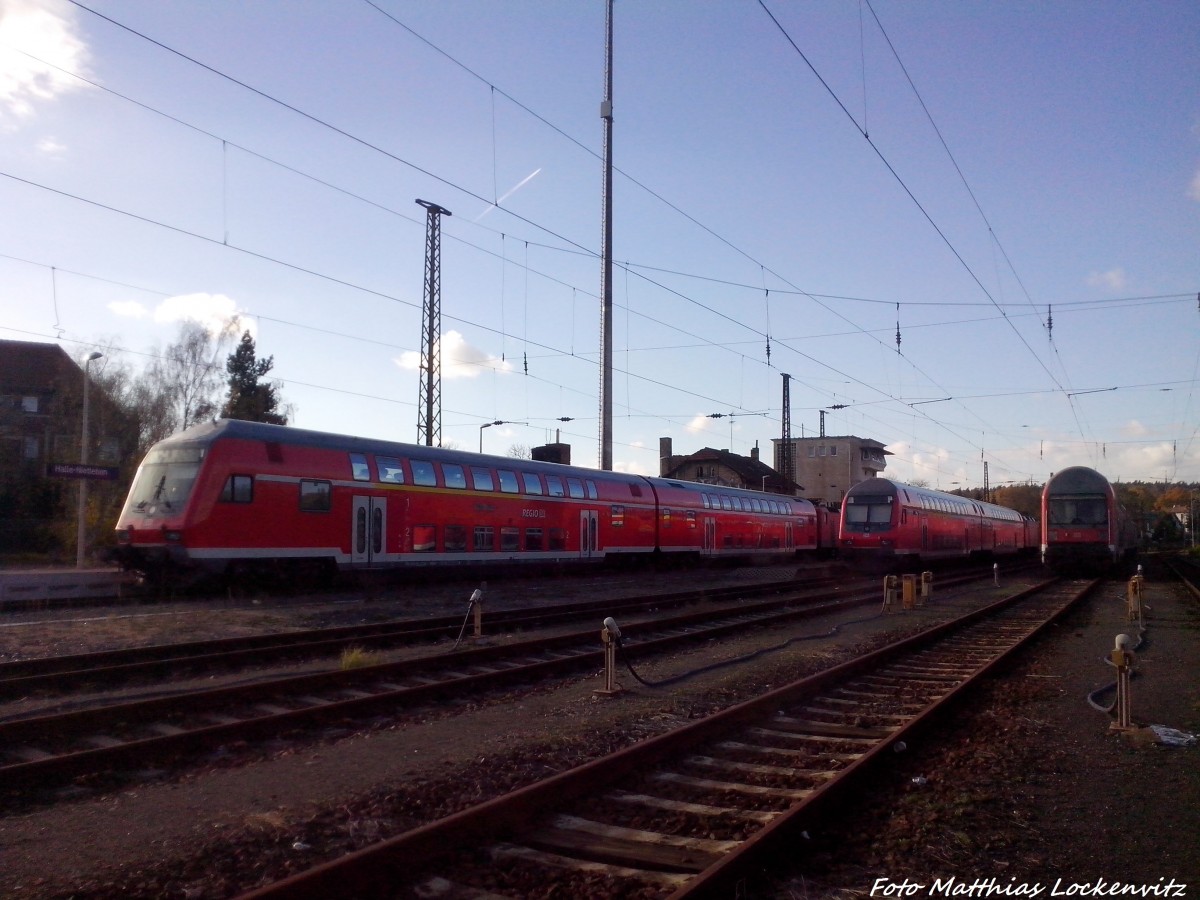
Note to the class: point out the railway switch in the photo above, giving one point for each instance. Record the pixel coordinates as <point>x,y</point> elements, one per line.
<point>610,636</point>
<point>891,589</point>
<point>1123,659</point>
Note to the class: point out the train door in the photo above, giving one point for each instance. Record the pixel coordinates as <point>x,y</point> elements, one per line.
<point>589,539</point>
<point>367,530</point>
<point>789,537</point>
<point>710,536</point>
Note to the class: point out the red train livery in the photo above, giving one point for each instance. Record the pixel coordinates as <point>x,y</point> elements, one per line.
<point>233,495</point>
<point>886,524</point>
<point>1084,529</point>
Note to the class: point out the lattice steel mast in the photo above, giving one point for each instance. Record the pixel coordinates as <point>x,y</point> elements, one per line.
<point>606,308</point>
<point>429,405</point>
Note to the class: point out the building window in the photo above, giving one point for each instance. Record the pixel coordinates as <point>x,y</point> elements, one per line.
<point>833,450</point>
<point>31,448</point>
<point>29,404</point>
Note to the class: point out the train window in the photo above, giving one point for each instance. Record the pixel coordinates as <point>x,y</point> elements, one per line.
<point>455,538</point>
<point>454,476</point>
<point>508,481</point>
<point>424,538</point>
<point>636,490</point>
<point>359,468</point>
<point>482,479</point>
<point>532,482</point>
<point>534,540</point>
<point>704,497</point>
<point>666,517</point>
<point>618,516</point>
<point>377,529</point>
<point>575,488</point>
<point>554,486</point>
<point>423,473</point>
<point>390,469</point>
<point>238,489</point>
<point>315,495</point>
<point>592,493</point>
<point>558,539</point>
<point>746,506</point>
<point>726,502</point>
<point>485,538</point>
<point>510,539</point>
<point>691,518</point>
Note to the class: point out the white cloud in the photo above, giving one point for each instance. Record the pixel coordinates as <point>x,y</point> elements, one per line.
<point>128,309</point>
<point>46,30</point>
<point>51,147</point>
<point>1113,279</point>
<point>216,312</point>
<point>459,359</point>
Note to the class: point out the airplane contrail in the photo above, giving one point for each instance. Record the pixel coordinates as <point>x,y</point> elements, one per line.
<point>520,184</point>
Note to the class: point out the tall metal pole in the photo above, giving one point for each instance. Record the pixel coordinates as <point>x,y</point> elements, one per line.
<point>787,448</point>
<point>429,406</point>
<point>606,343</point>
<point>81,517</point>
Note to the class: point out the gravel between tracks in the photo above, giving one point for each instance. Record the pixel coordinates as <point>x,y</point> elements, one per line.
<point>1029,785</point>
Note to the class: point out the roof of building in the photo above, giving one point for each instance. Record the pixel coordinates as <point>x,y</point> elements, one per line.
<point>751,471</point>
<point>28,366</point>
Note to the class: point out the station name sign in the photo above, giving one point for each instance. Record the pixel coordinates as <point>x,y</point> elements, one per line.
<point>78,470</point>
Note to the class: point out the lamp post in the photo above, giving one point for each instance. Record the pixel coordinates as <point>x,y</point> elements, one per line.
<point>81,535</point>
<point>489,425</point>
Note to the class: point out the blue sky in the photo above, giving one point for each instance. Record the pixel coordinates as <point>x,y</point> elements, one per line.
<point>809,176</point>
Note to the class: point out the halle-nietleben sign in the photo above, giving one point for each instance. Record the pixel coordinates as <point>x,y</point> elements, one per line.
<point>79,470</point>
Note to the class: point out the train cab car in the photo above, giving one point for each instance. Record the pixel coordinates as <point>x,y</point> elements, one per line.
<point>1084,529</point>
<point>889,525</point>
<point>233,494</point>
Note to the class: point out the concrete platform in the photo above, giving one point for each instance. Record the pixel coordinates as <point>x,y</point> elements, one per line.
<point>24,586</point>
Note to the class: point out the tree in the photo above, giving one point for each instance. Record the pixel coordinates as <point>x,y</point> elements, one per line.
<point>180,387</point>
<point>249,398</point>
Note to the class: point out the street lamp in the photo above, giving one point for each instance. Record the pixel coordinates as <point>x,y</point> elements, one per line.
<point>80,537</point>
<point>489,425</point>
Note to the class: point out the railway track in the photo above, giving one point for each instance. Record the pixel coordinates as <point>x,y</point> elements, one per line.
<point>159,661</point>
<point>693,812</point>
<point>40,751</point>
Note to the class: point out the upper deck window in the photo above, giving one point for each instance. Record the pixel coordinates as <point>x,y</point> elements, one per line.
<point>359,468</point>
<point>481,479</point>
<point>554,486</point>
<point>455,476</point>
<point>390,469</point>
<point>423,473</point>
<point>508,481</point>
<point>532,482</point>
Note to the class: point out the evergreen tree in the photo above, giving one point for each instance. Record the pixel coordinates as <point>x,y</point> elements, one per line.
<point>249,398</point>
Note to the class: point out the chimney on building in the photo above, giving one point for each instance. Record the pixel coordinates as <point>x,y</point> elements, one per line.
<point>664,455</point>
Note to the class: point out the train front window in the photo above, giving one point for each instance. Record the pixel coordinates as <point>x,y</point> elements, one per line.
<point>1089,511</point>
<point>868,510</point>
<point>164,482</point>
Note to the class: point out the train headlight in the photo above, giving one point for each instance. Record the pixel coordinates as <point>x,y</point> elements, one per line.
<point>885,542</point>
<point>172,535</point>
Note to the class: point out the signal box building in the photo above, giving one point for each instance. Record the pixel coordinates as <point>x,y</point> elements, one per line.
<point>831,464</point>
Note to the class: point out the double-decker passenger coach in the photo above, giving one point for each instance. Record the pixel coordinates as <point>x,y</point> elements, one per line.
<point>1084,529</point>
<point>886,524</point>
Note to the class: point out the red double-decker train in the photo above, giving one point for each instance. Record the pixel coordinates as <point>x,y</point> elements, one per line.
<point>230,496</point>
<point>1085,531</point>
<point>887,525</point>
